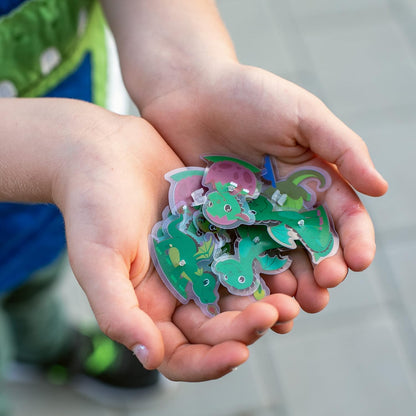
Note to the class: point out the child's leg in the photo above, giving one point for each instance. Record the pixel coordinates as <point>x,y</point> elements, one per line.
<point>38,325</point>
<point>43,336</point>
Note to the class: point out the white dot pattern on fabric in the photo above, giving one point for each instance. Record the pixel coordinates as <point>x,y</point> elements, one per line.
<point>82,21</point>
<point>7,89</point>
<point>49,59</point>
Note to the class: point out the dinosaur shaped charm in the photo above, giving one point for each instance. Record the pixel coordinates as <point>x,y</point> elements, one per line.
<point>230,182</point>
<point>240,273</point>
<point>311,228</point>
<point>182,260</point>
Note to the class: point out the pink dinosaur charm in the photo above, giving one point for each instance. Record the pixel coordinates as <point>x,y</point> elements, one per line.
<point>240,179</point>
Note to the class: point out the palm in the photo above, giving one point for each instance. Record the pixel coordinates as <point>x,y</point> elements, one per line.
<point>248,113</point>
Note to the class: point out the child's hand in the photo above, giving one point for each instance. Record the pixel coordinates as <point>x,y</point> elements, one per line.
<point>106,174</point>
<point>249,113</point>
<point>181,70</point>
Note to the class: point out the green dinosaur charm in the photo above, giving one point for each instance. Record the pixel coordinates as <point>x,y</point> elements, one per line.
<point>289,194</point>
<point>312,228</point>
<point>240,272</point>
<point>182,260</point>
<point>226,210</point>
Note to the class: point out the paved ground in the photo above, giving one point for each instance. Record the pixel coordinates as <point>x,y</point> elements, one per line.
<point>358,357</point>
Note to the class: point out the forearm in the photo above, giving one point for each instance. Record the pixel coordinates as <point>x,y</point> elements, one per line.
<point>166,44</point>
<point>26,148</point>
<point>37,139</point>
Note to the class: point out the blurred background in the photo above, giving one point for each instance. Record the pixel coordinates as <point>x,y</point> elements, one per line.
<point>358,356</point>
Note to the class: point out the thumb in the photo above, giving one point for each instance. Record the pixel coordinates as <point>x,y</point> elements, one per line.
<point>104,277</point>
<point>331,139</point>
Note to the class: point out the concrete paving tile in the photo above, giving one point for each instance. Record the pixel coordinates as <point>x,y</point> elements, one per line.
<point>409,4</point>
<point>76,303</point>
<point>44,400</point>
<point>404,11</point>
<point>404,8</point>
<point>256,36</point>
<point>360,290</point>
<point>362,62</point>
<point>402,264</point>
<point>390,137</point>
<point>237,393</point>
<point>397,275</point>
<point>355,369</point>
<point>312,9</point>
<point>359,295</point>
<point>265,34</point>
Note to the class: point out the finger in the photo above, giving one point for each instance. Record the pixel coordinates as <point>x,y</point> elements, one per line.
<point>198,362</point>
<point>331,139</point>
<point>114,303</point>
<point>353,224</point>
<point>311,297</point>
<point>244,326</point>
<point>283,327</point>
<point>281,283</point>
<point>288,309</point>
<point>287,306</point>
<point>230,302</point>
<point>331,271</point>
<point>284,282</point>
<point>203,362</point>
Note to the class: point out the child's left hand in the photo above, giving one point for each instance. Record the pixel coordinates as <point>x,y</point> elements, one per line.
<point>248,113</point>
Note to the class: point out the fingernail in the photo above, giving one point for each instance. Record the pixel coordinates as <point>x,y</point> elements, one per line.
<point>281,322</point>
<point>142,353</point>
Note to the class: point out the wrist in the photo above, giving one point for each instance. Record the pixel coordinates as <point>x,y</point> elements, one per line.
<point>166,45</point>
<point>189,83</point>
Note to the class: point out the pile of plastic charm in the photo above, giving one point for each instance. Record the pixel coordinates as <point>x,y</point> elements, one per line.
<point>231,221</point>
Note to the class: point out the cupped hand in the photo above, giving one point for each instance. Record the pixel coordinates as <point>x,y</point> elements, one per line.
<point>111,190</point>
<point>248,112</point>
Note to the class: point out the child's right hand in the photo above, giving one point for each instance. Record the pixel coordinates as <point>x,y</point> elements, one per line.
<point>106,174</point>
